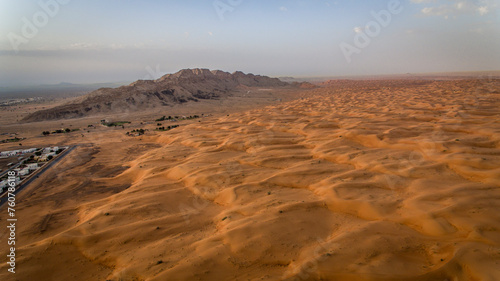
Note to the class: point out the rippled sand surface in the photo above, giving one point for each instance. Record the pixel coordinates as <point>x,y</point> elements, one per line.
<point>359,180</point>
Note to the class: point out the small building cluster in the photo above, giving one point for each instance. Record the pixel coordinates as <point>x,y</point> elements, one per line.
<point>27,169</point>
<point>12,153</point>
<point>19,101</point>
<point>48,153</point>
<point>25,166</point>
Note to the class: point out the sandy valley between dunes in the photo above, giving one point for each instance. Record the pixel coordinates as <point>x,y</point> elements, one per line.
<point>358,180</point>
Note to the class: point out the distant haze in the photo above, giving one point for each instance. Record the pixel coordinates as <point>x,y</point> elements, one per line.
<point>53,41</point>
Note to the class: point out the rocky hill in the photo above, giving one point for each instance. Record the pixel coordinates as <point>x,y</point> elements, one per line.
<point>188,85</point>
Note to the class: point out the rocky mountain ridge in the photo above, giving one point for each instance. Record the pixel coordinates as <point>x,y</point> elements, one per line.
<point>187,85</point>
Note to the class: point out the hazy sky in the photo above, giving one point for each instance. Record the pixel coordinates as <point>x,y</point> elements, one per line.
<point>81,41</point>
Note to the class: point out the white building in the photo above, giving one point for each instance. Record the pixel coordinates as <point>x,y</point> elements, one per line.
<point>24,172</point>
<point>32,166</point>
<point>9,153</point>
<point>31,150</point>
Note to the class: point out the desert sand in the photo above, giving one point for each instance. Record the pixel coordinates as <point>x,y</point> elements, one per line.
<point>357,180</point>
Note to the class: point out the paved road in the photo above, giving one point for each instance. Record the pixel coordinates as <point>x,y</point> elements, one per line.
<point>38,173</point>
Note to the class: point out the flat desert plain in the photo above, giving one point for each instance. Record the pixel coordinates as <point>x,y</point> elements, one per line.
<point>356,180</point>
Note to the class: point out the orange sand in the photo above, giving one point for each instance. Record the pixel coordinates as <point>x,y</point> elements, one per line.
<point>363,180</point>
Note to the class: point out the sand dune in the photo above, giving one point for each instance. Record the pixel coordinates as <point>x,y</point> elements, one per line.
<point>360,180</point>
